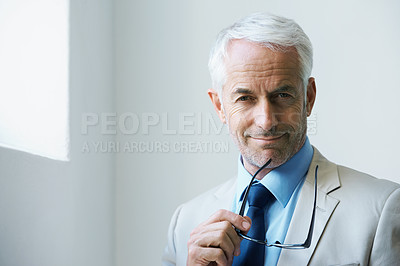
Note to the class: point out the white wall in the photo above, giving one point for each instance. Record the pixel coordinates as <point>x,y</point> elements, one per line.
<point>61,213</point>
<point>161,66</point>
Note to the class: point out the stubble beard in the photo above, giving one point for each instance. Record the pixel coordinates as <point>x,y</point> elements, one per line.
<point>279,155</point>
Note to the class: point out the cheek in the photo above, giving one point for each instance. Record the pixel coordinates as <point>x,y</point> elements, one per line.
<point>236,112</point>
<point>237,118</point>
<point>295,114</point>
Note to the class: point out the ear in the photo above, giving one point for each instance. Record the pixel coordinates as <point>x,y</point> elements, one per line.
<point>311,95</point>
<point>217,104</point>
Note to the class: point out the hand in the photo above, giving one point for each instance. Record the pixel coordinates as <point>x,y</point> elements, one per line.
<point>215,241</point>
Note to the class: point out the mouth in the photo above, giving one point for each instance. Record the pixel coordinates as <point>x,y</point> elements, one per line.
<point>268,140</point>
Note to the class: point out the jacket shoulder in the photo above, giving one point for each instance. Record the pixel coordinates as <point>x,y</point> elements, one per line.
<point>339,179</point>
<point>219,197</point>
<point>364,183</point>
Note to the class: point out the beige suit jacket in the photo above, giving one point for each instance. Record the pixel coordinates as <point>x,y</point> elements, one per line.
<point>357,219</point>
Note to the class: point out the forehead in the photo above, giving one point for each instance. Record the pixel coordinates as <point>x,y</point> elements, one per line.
<point>247,59</point>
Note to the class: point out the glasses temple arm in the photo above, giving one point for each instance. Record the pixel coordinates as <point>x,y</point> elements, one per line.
<point>307,243</point>
<point>246,193</point>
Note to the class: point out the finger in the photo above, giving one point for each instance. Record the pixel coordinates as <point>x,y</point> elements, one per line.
<point>232,234</point>
<point>235,219</point>
<point>237,244</point>
<point>227,219</point>
<point>206,255</point>
<point>227,228</point>
<point>216,239</point>
<point>249,220</point>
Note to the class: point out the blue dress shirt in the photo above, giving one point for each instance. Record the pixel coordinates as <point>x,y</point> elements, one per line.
<point>285,183</point>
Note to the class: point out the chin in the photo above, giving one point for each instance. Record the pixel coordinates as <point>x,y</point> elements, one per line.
<point>260,158</point>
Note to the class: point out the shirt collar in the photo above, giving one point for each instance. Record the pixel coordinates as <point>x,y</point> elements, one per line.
<point>282,180</point>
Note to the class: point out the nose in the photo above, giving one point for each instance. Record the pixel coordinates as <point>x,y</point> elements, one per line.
<point>265,117</point>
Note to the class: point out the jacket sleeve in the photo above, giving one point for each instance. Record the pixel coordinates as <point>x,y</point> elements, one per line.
<point>169,256</point>
<point>386,246</point>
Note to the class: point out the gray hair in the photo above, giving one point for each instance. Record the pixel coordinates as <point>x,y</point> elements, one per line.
<point>274,32</point>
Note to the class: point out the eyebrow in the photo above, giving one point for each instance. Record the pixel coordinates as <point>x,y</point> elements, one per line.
<point>242,91</point>
<point>283,88</point>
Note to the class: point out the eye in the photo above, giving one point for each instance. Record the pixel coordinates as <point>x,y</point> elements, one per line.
<point>283,95</point>
<point>243,98</point>
<point>283,98</point>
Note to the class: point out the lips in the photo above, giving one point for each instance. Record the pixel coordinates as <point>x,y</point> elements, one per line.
<point>269,139</point>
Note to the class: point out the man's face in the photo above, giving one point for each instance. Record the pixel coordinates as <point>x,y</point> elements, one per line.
<point>263,103</point>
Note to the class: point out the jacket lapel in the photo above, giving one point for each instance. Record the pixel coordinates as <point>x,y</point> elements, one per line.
<point>328,180</point>
<point>224,195</point>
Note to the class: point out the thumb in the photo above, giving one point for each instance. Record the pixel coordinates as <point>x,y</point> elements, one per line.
<point>249,220</point>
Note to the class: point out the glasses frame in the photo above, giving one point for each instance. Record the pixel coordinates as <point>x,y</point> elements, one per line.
<point>277,244</point>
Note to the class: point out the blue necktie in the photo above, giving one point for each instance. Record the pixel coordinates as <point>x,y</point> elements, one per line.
<point>252,254</point>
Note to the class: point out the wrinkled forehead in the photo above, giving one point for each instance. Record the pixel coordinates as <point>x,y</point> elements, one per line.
<point>243,53</point>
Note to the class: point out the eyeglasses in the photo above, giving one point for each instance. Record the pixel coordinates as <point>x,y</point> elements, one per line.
<point>277,244</point>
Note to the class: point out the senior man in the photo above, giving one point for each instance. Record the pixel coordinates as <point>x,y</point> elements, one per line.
<point>301,208</point>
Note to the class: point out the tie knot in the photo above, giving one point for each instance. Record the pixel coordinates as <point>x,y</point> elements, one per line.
<point>259,195</point>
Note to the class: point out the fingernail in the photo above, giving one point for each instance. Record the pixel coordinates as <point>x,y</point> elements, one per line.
<point>246,225</point>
